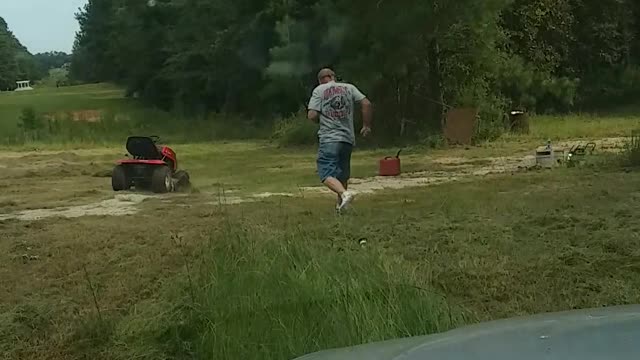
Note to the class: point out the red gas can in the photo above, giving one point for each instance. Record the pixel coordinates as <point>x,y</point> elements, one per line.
<point>390,166</point>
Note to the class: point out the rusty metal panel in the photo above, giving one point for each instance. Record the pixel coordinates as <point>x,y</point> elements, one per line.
<point>460,125</point>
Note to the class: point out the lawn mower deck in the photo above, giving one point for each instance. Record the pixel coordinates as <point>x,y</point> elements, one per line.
<point>148,166</point>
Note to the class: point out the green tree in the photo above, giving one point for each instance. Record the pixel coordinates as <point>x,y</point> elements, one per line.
<point>52,60</point>
<point>91,61</point>
<point>8,63</point>
<point>541,32</point>
<point>16,63</point>
<point>413,58</point>
<point>603,50</point>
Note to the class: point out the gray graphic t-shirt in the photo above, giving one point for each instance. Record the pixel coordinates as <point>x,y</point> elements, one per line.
<point>336,103</point>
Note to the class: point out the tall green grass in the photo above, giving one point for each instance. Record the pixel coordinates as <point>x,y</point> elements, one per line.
<point>583,126</point>
<point>55,100</point>
<point>277,292</point>
<point>631,155</point>
<point>115,127</point>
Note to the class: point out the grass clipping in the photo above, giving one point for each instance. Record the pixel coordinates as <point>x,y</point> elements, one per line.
<point>255,294</point>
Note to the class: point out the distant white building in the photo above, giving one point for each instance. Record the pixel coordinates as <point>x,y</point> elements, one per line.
<point>24,85</point>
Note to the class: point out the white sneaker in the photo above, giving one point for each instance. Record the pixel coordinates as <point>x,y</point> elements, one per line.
<point>347,198</point>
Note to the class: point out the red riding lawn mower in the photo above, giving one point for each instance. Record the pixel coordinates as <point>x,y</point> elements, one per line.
<point>148,166</point>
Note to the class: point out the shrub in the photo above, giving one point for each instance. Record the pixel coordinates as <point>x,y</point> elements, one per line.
<point>31,124</point>
<point>295,130</point>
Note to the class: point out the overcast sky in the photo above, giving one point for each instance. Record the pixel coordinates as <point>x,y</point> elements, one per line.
<point>42,25</point>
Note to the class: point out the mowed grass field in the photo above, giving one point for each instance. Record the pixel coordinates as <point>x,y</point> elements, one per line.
<point>187,276</point>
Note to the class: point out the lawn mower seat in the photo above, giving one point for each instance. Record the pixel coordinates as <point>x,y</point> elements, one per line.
<point>143,147</point>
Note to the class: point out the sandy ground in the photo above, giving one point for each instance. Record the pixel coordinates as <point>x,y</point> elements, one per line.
<point>456,169</point>
<point>449,169</point>
<point>120,205</point>
<point>4,155</point>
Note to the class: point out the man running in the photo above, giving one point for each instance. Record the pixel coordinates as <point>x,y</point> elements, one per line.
<point>332,105</point>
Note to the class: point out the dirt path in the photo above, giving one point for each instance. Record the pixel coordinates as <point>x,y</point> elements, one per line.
<point>34,154</point>
<point>458,168</point>
<point>120,205</point>
<point>454,169</point>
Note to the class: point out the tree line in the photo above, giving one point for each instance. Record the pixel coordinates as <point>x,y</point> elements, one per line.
<point>413,58</point>
<point>17,63</point>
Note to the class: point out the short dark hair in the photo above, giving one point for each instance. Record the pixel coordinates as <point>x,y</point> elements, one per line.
<point>326,72</point>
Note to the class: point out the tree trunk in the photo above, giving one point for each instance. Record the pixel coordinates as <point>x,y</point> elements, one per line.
<point>436,88</point>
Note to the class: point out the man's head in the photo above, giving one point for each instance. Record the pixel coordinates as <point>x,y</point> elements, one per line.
<point>326,75</point>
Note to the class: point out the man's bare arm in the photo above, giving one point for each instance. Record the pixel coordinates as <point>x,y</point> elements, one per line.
<point>313,115</point>
<point>366,112</point>
<point>315,104</point>
<point>366,117</point>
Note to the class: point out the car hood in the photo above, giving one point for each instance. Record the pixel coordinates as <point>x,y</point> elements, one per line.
<point>603,333</point>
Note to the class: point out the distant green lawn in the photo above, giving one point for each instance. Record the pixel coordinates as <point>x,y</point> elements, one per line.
<point>102,97</point>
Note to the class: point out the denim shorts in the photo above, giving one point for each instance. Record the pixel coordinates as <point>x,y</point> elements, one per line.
<point>334,160</point>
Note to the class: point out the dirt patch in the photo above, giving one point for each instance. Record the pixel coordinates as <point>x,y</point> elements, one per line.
<point>91,116</point>
<point>35,153</point>
<point>268,195</point>
<point>459,161</point>
<point>232,200</point>
<point>460,168</point>
<point>122,204</point>
<point>236,199</point>
<point>615,145</point>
